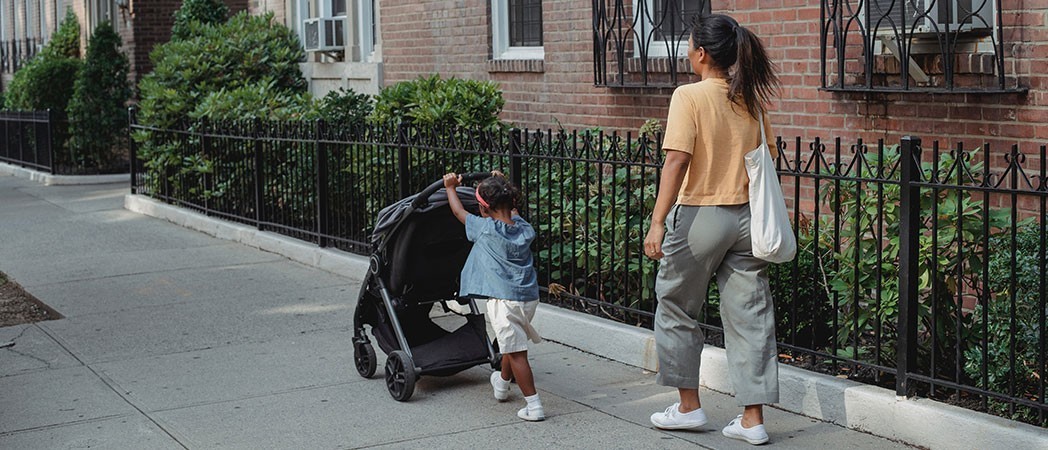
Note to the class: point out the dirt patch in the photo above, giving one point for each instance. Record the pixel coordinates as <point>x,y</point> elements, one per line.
<point>18,306</point>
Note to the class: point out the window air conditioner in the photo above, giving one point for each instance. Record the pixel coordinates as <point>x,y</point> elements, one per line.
<point>324,34</point>
<point>930,16</point>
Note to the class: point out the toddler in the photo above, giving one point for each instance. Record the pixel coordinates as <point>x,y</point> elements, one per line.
<point>500,268</point>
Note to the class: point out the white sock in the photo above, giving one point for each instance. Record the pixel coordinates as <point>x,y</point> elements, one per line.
<point>502,382</point>
<point>533,401</point>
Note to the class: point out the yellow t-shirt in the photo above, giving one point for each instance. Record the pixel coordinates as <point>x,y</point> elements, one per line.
<point>718,134</point>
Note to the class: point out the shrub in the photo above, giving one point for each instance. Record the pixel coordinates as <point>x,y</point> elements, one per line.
<point>246,50</point>
<point>436,102</point>
<point>210,12</point>
<point>97,114</point>
<point>43,83</point>
<point>344,106</point>
<point>262,100</point>
<point>1029,267</point>
<point>66,40</point>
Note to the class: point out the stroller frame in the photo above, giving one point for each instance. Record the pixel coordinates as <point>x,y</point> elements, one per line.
<point>402,370</point>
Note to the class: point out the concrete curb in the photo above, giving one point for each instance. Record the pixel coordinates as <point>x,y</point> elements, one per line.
<point>920,422</point>
<point>61,180</point>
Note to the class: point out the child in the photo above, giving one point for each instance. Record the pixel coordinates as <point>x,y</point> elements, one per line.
<point>500,268</point>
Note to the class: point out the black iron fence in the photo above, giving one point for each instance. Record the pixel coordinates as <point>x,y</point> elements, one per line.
<point>920,268</point>
<point>27,139</point>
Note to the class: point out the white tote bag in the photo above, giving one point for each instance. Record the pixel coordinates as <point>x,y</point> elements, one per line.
<point>770,230</point>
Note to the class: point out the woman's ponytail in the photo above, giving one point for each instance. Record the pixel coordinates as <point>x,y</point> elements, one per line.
<point>740,53</point>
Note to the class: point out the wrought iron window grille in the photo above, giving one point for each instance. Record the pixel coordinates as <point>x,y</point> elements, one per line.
<point>937,46</point>
<point>642,43</point>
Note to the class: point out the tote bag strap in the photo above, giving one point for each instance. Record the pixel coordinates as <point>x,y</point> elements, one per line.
<point>760,122</point>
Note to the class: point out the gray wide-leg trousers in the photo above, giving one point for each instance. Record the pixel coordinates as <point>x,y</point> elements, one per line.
<point>702,242</point>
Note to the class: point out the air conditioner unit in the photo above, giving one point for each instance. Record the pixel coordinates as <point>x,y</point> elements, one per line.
<point>324,34</point>
<point>930,16</point>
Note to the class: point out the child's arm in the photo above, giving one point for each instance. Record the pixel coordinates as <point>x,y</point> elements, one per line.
<point>451,181</point>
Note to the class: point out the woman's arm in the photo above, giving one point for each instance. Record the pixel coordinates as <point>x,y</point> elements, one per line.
<point>451,181</point>
<point>673,170</point>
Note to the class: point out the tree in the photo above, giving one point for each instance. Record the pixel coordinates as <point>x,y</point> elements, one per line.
<point>210,12</point>
<point>97,118</point>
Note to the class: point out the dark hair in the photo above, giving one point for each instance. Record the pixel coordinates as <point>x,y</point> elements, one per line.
<point>499,193</point>
<point>739,52</point>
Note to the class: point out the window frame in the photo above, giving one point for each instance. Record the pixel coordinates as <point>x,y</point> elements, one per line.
<point>661,48</point>
<point>500,39</point>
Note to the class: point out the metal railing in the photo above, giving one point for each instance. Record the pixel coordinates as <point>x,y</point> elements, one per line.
<point>914,46</point>
<point>15,53</point>
<point>27,139</point>
<point>919,269</point>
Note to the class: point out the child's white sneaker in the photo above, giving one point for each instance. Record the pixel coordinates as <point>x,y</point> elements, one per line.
<point>673,419</point>
<point>532,414</point>
<point>754,435</point>
<point>500,386</point>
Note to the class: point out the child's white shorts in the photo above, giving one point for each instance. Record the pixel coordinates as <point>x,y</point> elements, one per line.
<point>511,321</point>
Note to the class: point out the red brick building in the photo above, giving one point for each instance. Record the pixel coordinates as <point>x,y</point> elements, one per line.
<point>556,82</point>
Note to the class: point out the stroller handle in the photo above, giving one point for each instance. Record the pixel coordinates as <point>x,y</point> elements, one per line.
<point>422,199</point>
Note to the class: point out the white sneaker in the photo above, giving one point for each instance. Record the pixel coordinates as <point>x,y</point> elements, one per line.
<point>673,419</point>
<point>532,414</point>
<point>754,435</point>
<point>499,386</point>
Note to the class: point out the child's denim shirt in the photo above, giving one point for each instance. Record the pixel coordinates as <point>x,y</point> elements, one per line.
<point>500,264</point>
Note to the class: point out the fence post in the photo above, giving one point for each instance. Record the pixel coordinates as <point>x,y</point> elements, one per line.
<point>50,139</point>
<point>909,263</point>
<point>205,150</point>
<point>259,203</point>
<point>403,166</point>
<point>320,162</point>
<point>515,166</point>
<point>132,151</point>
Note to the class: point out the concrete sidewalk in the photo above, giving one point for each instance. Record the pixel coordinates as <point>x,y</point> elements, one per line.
<point>174,339</point>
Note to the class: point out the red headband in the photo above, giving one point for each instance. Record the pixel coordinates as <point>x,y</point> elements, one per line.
<point>481,200</point>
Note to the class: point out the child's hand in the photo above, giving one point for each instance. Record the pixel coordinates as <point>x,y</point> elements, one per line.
<point>496,173</point>
<point>451,180</point>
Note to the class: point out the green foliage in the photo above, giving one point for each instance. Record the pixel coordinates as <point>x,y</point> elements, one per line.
<point>436,102</point>
<point>43,83</point>
<point>345,106</point>
<point>863,280</point>
<point>208,12</point>
<point>263,100</point>
<point>97,114</point>
<point>247,50</point>
<point>66,40</point>
<point>999,326</point>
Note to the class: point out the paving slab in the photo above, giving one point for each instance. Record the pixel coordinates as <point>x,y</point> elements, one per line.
<point>130,432</point>
<point>62,396</point>
<point>235,372</point>
<point>33,350</point>
<point>351,415</point>
<point>216,320</point>
<point>277,279</point>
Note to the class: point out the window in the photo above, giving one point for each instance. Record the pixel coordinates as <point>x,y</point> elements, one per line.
<point>517,29</point>
<point>665,24</point>
<point>323,25</point>
<point>915,46</point>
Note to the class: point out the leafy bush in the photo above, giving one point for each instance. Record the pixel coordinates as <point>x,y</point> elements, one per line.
<point>208,12</point>
<point>97,114</point>
<point>263,100</point>
<point>1029,268</point>
<point>436,102</point>
<point>66,40</point>
<point>247,50</point>
<point>345,106</point>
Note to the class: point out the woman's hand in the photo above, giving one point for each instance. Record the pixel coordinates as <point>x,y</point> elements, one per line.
<point>451,181</point>
<point>653,241</point>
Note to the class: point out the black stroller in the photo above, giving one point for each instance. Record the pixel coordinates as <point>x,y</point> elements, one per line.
<point>418,251</point>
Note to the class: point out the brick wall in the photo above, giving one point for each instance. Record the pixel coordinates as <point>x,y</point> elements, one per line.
<point>454,38</point>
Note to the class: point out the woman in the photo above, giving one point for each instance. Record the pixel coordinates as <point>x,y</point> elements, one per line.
<point>700,229</point>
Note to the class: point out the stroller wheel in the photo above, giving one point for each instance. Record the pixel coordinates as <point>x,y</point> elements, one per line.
<point>400,376</point>
<point>364,359</point>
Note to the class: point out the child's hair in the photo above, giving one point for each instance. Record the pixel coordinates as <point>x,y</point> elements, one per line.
<point>499,193</point>
<point>732,46</point>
